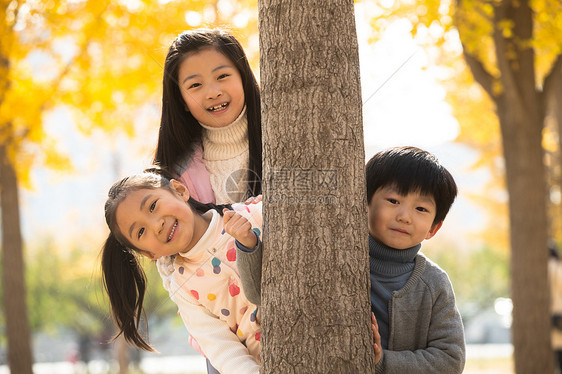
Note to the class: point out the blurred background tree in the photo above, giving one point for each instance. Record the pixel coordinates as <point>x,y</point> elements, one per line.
<point>102,60</point>
<point>513,52</point>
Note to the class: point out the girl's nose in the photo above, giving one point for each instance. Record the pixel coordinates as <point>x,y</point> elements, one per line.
<point>214,92</point>
<point>157,225</point>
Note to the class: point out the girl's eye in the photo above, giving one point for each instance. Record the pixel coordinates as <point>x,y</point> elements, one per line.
<point>141,231</point>
<point>194,85</point>
<point>223,76</point>
<point>152,206</point>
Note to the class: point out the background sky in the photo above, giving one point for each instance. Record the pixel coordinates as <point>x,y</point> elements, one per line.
<point>403,104</point>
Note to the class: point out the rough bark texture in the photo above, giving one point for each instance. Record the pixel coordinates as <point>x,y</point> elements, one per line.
<point>316,279</point>
<point>521,111</point>
<point>15,310</point>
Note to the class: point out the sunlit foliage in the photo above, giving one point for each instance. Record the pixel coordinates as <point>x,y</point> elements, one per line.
<point>101,59</point>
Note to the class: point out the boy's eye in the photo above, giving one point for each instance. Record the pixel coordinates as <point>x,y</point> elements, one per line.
<point>422,209</point>
<point>152,206</point>
<point>392,201</point>
<point>141,231</point>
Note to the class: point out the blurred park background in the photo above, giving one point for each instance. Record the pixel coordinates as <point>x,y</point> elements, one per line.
<point>80,94</point>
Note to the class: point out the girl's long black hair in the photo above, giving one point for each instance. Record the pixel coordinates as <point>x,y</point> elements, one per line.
<point>180,133</point>
<point>123,276</point>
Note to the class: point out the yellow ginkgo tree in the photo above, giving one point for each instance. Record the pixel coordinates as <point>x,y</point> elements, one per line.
<point>513,48</point>
<point>100,59</point>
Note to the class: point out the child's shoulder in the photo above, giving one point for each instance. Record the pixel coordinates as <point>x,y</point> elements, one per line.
<point>431,268</point>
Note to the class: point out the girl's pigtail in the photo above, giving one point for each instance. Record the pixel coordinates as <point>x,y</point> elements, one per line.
<point>125,283</point>
<point>203,208</point>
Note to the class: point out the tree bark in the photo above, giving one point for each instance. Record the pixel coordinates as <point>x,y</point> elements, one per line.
<point>556,105</point>
<point>316,308</point>
<point>17,326</point>
<point>521,112</point>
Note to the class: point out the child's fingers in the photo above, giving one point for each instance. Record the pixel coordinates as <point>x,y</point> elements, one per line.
<point>253,200</point>
<point>234,223</point>
<point>227,215</point>
<point>241,229</point>
<point>376,338</point>
<point>374,321</point>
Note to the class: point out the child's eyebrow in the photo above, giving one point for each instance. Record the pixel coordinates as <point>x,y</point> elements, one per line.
<point>190,77</point>
<point>220,67</point>
<point>143,202</point>
<point>427,199</point>
<point>215,69</point>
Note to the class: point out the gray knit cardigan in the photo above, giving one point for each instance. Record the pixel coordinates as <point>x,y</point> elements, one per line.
<point>426,330</point>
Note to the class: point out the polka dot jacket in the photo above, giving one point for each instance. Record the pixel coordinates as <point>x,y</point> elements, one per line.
<point>206,286</point>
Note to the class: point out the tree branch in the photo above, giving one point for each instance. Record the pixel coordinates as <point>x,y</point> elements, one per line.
<point>551,76</point>
<point>481,75</point>
<point>507,78</point>
<point>479,72</point>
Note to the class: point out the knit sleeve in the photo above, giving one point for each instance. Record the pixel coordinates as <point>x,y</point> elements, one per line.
<point>249,266</point>
<point>221,346</point>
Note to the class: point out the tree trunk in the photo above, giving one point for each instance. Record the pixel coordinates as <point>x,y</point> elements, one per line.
<point>521,112</point>
<point>15,310</point>
<point>529,288</point>
<point>556,106</point>
<point>316,308</point>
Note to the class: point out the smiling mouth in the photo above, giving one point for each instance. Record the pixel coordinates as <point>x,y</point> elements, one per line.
<point>218,107</point>
<point>173,231</point>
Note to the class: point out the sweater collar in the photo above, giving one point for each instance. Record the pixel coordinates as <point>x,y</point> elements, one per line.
<point>211,239</point>
<point>222,143</point>
<point>387,254</point>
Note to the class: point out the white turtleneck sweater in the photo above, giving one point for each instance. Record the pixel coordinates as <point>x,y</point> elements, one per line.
<point>226,155</point>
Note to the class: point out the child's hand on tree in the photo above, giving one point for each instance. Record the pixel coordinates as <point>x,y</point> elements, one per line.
<point>239,228</point>
<point>377,338</point>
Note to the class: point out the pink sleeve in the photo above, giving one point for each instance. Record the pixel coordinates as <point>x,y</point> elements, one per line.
<point>196,178</point>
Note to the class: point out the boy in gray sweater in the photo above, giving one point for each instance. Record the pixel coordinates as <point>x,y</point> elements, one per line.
<point>416,325</point>
<point>418,328</point>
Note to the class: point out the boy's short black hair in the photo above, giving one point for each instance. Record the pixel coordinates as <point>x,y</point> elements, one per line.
<point>410,169</point>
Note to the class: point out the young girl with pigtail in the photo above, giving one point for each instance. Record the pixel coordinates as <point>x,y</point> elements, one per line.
<point>152,215</point>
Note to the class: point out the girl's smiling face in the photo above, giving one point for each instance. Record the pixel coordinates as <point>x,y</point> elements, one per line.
<point>211,87</point>
<point>159,222</point>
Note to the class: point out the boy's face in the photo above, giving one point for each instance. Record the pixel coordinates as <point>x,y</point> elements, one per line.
<point>401,221</point>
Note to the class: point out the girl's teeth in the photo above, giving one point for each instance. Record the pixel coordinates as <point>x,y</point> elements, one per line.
<point>218,107</point>
<point>173,231</point>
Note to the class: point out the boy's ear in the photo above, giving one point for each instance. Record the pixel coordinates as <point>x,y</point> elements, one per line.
<point>180,189</point>
<point>433,230</point>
